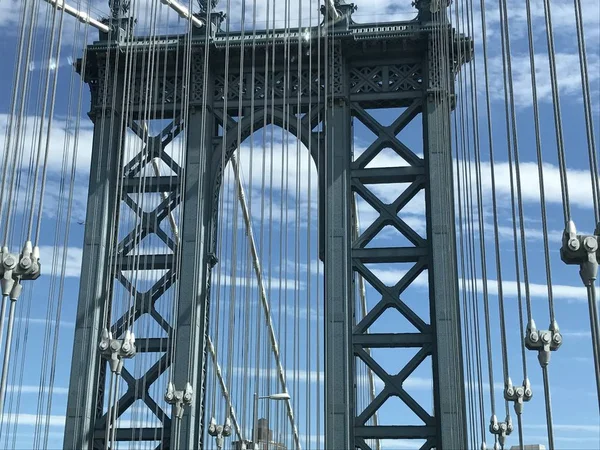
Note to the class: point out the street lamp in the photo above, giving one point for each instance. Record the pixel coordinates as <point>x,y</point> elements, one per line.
<point>276,397</point>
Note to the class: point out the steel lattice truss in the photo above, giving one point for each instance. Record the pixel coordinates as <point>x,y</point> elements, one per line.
<point>144,302</point>
<point>415,174</point>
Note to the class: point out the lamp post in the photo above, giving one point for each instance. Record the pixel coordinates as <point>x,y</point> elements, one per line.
<point>276,397</point>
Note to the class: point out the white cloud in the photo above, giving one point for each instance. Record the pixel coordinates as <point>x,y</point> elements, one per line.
<point>563,17</point>
<point>10,14</point>
<point>36,321</point>
<point>412,382</point>
<point>62,138</point>
<point>28,389</point>
<point>33,419</point>
<point>579,182</point>
<point>567,68</point>
<point>575,293</point>
<point>569,293</point>
<point>73,262</point>
<point>578,428</point>
<point>576,334</point>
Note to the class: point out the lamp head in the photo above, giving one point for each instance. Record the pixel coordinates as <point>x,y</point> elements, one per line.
<point>281,396</point>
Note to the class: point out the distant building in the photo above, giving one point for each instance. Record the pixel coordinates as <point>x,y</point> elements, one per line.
<point>264,437</point>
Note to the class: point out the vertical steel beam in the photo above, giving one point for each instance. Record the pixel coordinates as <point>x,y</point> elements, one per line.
<point>339,303</point>
<point>443,277</point>
<point>190,357</point>
<point>85,392</point>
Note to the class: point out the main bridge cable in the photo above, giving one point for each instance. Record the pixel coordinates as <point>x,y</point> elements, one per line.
<point>81,16</point>
<point>184,12</point>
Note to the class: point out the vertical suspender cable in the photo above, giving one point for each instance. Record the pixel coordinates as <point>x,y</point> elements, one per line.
<point>587,105</point>
<point>494,205</point>
<point>511,133</point>
<point>548,404</point>
<point>557,112</point>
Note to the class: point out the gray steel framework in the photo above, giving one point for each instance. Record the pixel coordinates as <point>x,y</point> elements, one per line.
<point>372,67</point>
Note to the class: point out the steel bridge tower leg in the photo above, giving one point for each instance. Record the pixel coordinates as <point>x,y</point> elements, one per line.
<point>85,400</point>
<point>185,349</point>
<point>189,363</point>
<point>443,273</point>
<point>429,93</point>
<point>339,307</point>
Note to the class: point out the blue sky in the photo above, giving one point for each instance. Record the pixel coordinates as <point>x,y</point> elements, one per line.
<point>577,424</point>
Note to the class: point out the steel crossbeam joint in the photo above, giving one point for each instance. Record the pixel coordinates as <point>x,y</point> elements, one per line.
<point>15,268</point>
<point>582,250</point>
<point>212,259</point>
<point>219,432</point>
<point>518,394</point>
<point>179,399</point>
<point>501,429</point>
<point>544,341</point>
<point>117,350</point>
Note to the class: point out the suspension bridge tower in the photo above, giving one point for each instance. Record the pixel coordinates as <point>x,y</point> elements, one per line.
<point>216,96</point>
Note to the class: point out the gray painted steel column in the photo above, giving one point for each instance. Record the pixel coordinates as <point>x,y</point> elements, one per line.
<point>443,278</point>
<point>189,363</point>
<point>85,388</point>
<point>339,303</point>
